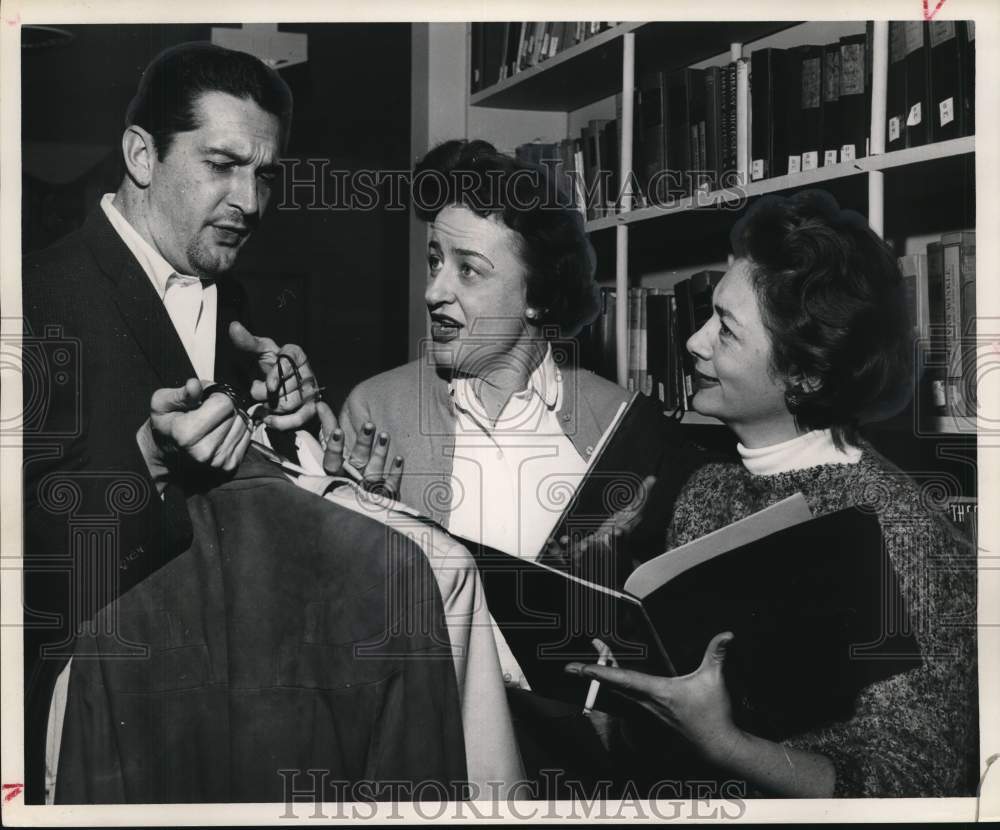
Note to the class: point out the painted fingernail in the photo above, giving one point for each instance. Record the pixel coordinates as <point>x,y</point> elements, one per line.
<point>397,461</point>
<point>573,668</point>
<point>369,429</point>
<point>338,434</point>
<point>383,439</point>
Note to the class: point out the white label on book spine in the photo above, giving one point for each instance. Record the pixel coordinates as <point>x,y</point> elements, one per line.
<point>914,116</point>
<point>757,170</point>
<point>938,394</point>
<point>894,128</point>
<point>829,157</point>
<point>794,164</point>
<point>946,111</point>
<point>810,160</point>
<point>847,152</point>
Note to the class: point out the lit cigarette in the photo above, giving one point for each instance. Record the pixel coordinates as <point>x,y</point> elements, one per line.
<point>595,685</point>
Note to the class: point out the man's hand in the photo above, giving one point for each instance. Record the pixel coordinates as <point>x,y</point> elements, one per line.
<point>182,426</point>
<point>290,394</point>
<point>368,461</point>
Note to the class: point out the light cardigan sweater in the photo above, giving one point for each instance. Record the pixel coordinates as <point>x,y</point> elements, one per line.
<point>411,403</point>
<point>914,734</point>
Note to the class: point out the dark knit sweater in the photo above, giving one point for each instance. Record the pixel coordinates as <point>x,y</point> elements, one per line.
<point>914,734</point>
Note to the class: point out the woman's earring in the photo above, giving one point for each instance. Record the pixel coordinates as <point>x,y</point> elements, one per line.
<point>535,314</point>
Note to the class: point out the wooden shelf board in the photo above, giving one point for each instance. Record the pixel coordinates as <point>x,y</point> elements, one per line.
<point>591,71</point>
<point>716,198</point>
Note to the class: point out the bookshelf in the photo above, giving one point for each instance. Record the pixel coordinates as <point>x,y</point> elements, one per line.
<point>550,100</point>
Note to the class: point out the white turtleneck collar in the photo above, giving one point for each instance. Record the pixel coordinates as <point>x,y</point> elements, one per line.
<point>811,449</point>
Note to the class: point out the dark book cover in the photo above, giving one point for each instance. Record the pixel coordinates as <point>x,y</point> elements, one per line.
<point>809,59</point>
<point>658,343</point>
<point>730,162</point>
<point>895,96</point>
<point>788,112</point>
<point>679,132</point>
<point>767,144</point>
<point>607,345</point>
<point>831,105</point>
<point>477,60</point>
<point>695,91</point>
<point>970,64</point>
<point>713,124</point>
<point>610,165</point>
<point>685,327</point>
<point>853,117</point>
<point>934,396</point>
<point>493,52</point>
<point>959,276</point>
<point>591,137</point>
<point>828,610</point>
<point>951,97</point>
<point>917,62</point>
<point>652,131</point>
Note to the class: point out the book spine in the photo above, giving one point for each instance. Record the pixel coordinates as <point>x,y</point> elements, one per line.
<point>959,258</point>
<point>811,106</point>
<point>713,125</point>
<point>609,336</point>
<point>895,102</point>
<point>761,121</point>
<point>852,97</point>
<point>936,369</point>
<point>685,328</point>
<point>477,58</point>
<point>743,115</point>
<point>657,342</point>
<point>831,104</point>
<point>678,153</point>
<point>644,341</point>
<point>950,101</point>
<point>917,67</point>
<point>788,145</point>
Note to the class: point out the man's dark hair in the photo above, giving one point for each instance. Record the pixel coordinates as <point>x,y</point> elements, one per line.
<point>832,300</point>
<point>558,257</point>
<point>164,104</point>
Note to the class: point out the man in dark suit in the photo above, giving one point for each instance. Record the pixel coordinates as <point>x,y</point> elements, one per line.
<point>127,319</point>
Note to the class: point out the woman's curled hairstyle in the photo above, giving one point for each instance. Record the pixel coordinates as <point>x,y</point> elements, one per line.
<point>831,297</point>
<point>558,257</point>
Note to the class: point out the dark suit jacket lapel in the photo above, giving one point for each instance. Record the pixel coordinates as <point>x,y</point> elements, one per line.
<point>139,304</point>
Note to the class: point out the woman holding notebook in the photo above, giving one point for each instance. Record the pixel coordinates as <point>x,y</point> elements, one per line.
<point>810,336</point>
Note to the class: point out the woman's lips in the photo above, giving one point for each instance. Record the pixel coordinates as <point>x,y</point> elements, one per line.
<point>704,381</point>
<point>444,332</point>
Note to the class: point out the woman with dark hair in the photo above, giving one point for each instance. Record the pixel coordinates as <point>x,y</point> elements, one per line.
<point>490,409</point>
<point>808,338</point>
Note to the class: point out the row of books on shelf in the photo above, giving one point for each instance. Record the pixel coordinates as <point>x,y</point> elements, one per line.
<point>806,107</point>
<point>940,290</point>
<point>659,323</point>
<point>501,50</point>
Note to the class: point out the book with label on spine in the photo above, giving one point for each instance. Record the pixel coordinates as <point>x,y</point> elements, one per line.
<point>934,395</point>
<point>713,124</point>
<point>852,100</point>
<point>895,102</point>
<point>831,105</point>
<point>959,287</point>
<point>652,129</point>
<point>916,63</point>
<point>810,70</point>
<point>768,101</point>
<point>950,92</point>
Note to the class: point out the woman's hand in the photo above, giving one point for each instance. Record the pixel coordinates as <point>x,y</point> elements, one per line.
<point>696,705</point>
<point>604,552</point>
<point>368,461</point>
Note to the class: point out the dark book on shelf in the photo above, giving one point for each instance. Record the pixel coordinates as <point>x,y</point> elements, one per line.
<point>651,127</point>
<point>730,162</point>
<point>713,124</point>
<point>913,267</point>
<point>853,116</point>
<point>768,104</point>
<point>610,165</point>
<point>493,52</point>
<point>959,287</point>
<point>679,131</point>
<point>602,345</point>
<point>750,578</point>
<point>809,61</point>
<point>788,142</point>
<point>594,191</point>
<point>477,62</point>
<point>659,347</point>
<point>697,114</point>
<point>934,396</point>
<point>831,105</point>
<point>917,102</point>
<point>895,96</point>
<point>951,93</point>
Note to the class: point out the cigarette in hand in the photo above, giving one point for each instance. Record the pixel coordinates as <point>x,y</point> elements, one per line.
<point>595,685</point>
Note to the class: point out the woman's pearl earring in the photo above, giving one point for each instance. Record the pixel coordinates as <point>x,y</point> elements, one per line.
<point>534,314</point>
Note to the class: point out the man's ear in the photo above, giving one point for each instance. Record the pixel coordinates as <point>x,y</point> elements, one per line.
<point>139,151</point>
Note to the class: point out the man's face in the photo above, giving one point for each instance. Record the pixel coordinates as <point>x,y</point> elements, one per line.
<point>209,191</point>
